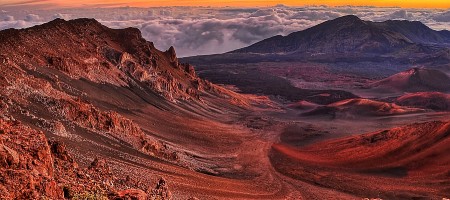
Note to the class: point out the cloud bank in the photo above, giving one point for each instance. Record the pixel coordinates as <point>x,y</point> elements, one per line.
<point>204,30</point>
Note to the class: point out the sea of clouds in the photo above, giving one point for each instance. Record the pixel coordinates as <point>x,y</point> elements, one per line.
<point>207,30</point>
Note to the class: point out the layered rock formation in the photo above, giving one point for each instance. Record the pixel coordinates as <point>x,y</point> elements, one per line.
<point>106,56</point>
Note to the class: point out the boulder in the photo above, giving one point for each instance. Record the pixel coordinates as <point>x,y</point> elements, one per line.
<point>161,191</point>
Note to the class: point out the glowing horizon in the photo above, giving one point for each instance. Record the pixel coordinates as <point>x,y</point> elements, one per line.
<point>232,3</point>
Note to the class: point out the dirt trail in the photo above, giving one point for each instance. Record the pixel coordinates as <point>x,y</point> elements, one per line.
<point>245,171</point>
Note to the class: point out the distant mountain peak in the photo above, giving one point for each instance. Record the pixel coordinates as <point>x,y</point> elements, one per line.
<point>349,18</point>
<point>351,35</point>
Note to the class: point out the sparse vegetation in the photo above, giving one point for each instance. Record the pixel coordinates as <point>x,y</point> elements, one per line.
<point>90,196</point>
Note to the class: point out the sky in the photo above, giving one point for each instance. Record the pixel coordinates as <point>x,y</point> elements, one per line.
<point>210,30</point>
<point>235,3</point>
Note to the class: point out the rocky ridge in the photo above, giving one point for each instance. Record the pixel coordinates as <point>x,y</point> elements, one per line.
<point>81,82</point>
<point>106,56</point>
<point>350,34</point>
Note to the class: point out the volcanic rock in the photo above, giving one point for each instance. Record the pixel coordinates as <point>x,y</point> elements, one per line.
<point>172,56</point>
<point>83,106</point>
<point>26,164</point>
<point>161,191</point>
<point>104,56</point>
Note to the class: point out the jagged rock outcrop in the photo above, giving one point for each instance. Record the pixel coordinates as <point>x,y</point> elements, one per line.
<point>26,163</point>
<point>104,56</point>
<point>33,168</point>
<point>172,56</point>
<point>189,69</point>
<point>72,111</point>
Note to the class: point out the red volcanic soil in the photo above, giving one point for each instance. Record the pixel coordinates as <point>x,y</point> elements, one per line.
<point>86,108</point>
<point>352,108</point>
<point>303,105</point>
<point>400,163</point>
<point>428,100</point>
<point>111,94</point>
<point>414,80</point>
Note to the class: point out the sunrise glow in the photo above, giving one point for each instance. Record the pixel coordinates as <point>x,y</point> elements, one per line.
<point>234,3</point>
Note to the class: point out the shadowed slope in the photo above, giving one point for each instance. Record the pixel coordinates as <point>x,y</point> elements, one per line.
<point>429,100</point>
<point>349,34</point>
<point>414,80</point>
<point>353,108</point>
<point>401,163</point>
